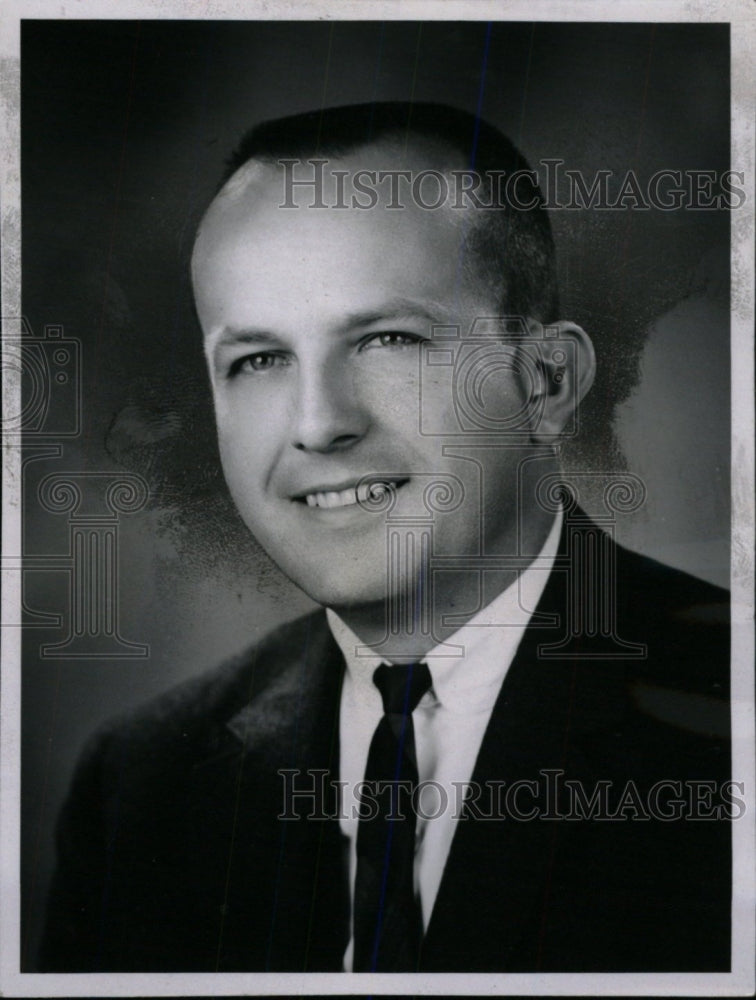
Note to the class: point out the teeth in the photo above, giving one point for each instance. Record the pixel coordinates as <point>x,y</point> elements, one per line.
<point>348,497</point>
<point>343,498</point>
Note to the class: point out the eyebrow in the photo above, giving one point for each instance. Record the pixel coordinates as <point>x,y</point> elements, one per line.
<point>396,309</point>
<point>231,335</point>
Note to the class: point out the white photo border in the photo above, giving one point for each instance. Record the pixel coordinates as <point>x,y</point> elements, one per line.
<point>741,16</point>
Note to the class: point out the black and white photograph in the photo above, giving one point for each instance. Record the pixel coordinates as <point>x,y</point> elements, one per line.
<point>378,498</point>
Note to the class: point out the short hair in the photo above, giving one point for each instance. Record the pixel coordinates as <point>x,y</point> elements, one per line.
<point>512,247</point>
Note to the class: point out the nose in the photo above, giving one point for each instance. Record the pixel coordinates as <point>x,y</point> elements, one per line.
<point>328,416</point>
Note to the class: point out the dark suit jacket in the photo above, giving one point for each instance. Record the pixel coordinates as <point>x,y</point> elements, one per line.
<point>172,856</point>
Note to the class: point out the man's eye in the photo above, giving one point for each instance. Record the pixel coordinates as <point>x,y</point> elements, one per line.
<point>262,362</point>
<point>393,338</point>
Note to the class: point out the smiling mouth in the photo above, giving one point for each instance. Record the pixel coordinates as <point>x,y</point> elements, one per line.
<point>363,492</point>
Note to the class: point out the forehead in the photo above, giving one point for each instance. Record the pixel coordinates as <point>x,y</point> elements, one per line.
<point>346,249</point>
<point>374,181</point>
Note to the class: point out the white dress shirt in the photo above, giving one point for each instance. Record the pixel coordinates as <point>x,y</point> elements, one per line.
<point>449,721</point>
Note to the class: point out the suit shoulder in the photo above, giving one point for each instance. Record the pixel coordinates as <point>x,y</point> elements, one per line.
<point>200,705</point>
<point>659,589</point>
<point>682,621</point>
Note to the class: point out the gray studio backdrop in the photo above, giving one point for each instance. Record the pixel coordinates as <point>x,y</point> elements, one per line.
<point>126,127</point>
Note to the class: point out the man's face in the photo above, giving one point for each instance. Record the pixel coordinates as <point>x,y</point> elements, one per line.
<point>317,324</point>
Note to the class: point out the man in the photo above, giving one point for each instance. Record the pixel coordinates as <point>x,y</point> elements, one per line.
<point>536,713</point>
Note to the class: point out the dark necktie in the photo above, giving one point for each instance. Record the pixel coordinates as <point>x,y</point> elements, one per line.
<point>387,917</point>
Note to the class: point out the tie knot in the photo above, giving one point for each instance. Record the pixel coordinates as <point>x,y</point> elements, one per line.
<point>402,686</point>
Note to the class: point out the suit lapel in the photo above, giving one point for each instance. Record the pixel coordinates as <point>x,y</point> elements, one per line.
<point>287,900</point>
<point>489,912</point>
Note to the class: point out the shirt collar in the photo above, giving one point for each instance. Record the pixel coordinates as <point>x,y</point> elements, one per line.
<point>467,679</point>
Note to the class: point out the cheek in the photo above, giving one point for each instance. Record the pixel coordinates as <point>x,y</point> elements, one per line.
<point>243,459</point>
<point>383,380</point>
<point>434,402</point>
<point>246,421</point>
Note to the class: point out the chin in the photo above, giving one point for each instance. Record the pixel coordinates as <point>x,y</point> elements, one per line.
<point>339,595</point>
<point>337,586</point>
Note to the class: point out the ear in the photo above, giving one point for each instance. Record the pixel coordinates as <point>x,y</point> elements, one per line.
<point>566,365</point>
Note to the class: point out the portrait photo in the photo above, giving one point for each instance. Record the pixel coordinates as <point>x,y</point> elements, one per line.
<point>378,520</point>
